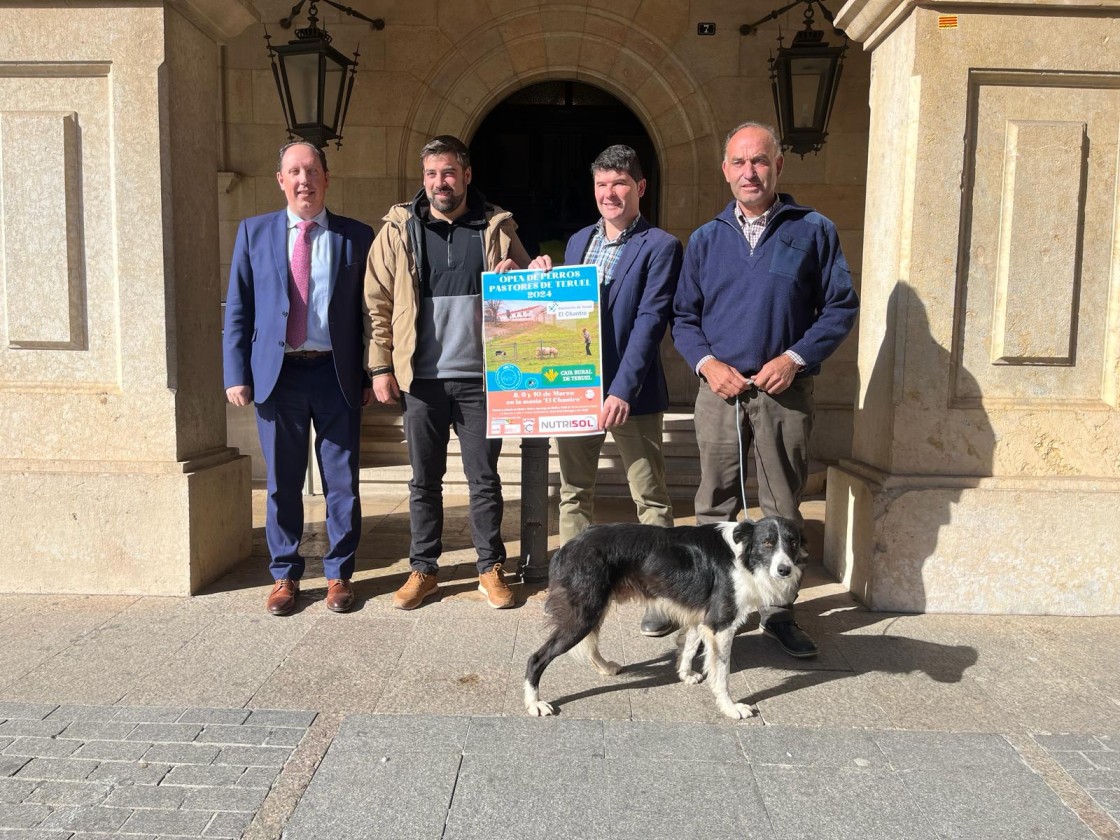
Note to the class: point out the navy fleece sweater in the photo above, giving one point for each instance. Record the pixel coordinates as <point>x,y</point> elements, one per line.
<point>793,293</point>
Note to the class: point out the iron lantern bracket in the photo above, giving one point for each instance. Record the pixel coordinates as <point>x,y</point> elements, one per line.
<point>752,28</point>
<point>374,23</point>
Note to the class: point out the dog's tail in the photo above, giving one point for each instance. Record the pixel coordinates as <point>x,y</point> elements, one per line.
<point>571,617</point>
<point>564,612</point>
<point>579,587</point>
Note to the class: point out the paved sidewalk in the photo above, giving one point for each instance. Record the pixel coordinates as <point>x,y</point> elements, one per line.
<point>506,778</point>
<point>143,717</point>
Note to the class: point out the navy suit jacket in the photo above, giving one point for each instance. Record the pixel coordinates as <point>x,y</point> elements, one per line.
<point>256,320</point>
<point>634,313</point>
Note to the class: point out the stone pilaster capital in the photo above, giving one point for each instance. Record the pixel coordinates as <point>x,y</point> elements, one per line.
<point>222,20</point>
<point>870,21</point>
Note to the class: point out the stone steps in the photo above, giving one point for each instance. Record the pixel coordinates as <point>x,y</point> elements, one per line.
<point>385,461</point>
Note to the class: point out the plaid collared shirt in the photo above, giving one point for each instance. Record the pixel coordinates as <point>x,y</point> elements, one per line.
<point>604,252</point>
<point>753,228</point>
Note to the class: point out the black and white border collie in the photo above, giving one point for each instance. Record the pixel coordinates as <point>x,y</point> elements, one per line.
<point>707,578</point>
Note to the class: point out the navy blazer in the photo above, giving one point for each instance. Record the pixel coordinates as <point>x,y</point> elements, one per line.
<point>256,320</point>
<point>634,313</point>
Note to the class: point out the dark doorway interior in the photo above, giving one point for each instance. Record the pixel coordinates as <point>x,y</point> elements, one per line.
<point>532,154</point>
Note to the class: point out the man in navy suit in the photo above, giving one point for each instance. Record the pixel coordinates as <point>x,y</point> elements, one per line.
<point>293,345</point>
<point>638,267</point>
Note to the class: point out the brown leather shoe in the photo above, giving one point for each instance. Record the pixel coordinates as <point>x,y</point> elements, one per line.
<point>282,599</point>
<point>340,597</point>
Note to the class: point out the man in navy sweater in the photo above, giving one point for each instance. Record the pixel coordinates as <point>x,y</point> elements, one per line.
<point>764,297</point>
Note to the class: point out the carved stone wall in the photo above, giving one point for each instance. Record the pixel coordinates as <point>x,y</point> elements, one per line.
<point>986,450</point>
<point>115,475</point>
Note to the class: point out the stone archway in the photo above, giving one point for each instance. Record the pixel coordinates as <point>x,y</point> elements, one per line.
<point>609,52</point>
<point>531,155</point>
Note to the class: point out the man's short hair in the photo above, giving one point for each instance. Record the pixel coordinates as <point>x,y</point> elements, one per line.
<point>446,144</point>
<point>769,129</point>
<point>618,158</point>
<point>322,155</point>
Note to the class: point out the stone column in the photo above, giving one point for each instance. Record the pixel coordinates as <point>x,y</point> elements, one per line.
<point>985,469</point>
<point>115,476</point>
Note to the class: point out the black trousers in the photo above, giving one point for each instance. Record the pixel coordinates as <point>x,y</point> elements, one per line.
<point>432,407</point>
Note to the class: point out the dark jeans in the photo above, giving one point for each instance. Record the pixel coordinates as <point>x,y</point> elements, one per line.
<point>307,393</point>
<point>431,408</point>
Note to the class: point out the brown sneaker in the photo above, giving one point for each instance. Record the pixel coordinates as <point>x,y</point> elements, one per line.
<point>416,589</point>
<point>494,588</point>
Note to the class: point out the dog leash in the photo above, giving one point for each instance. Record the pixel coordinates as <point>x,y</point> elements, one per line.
<point>740,410</point>
<point>739,402</point>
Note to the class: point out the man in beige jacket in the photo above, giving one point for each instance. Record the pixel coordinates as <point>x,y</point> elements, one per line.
<point>424,349</point>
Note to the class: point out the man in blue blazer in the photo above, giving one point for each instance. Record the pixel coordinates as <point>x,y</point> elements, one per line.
<point>293,345</point>
<point>638,267</point>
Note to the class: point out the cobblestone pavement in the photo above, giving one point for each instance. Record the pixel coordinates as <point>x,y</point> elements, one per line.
<point>1092,764</point>
<point>94,771</point>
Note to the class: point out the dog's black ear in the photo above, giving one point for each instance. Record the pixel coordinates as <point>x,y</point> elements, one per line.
<point>744,532</point>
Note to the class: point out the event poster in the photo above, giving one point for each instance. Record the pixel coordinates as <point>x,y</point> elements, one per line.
<point>541,340</point>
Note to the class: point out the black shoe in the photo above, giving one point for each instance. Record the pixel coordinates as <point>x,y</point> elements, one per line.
<point>655,625</point>
<point>793,640</point>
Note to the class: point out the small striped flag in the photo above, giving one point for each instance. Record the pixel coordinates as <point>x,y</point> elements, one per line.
<point>946,21</point>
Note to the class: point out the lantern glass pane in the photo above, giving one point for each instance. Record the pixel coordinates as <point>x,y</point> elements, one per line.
<point>807,76</point>
<point>303,86</point>
<point>333,90</point>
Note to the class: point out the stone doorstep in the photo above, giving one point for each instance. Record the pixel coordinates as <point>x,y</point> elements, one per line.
<point>683,478</point>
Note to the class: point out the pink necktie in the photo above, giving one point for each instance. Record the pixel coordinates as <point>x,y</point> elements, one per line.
<point>301,282</point>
